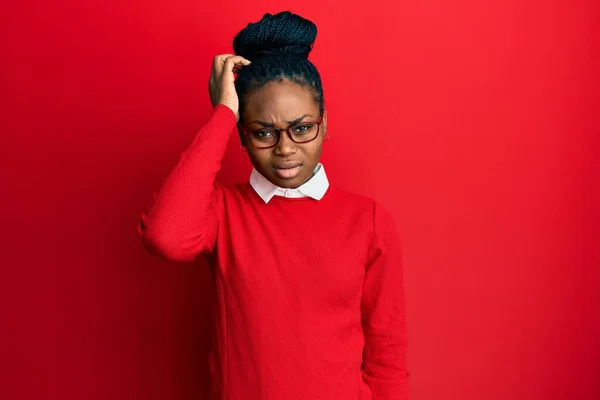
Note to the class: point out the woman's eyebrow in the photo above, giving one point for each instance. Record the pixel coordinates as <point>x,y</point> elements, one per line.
<point>270,125</point>
<point>297,119</point>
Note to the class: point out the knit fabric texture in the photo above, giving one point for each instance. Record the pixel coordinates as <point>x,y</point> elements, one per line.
<point>310,294</point>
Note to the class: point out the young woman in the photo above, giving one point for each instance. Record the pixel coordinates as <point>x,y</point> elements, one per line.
<point>309,277</point>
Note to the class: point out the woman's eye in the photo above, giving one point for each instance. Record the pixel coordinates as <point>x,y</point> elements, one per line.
<point>262,134</point>
<point>302,128</point>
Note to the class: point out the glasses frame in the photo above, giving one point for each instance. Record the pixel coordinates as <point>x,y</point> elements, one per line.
<point>248,132</point>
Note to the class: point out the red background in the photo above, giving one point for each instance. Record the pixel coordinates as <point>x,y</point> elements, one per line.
<point>474,122</point>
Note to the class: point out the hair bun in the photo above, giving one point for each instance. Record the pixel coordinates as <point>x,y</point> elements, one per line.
<point>276,35</point>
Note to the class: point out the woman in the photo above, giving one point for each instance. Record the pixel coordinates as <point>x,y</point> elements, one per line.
<point>308,277</point>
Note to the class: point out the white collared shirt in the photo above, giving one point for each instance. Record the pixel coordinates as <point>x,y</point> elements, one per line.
<point>315,187</point>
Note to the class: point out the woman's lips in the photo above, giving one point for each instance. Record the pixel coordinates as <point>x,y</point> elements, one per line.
<point>287,169</point>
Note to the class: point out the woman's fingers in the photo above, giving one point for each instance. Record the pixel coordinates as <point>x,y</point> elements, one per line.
<point>228,62</point>
<point>237,62</point>
<point>237,68</point>
<point>221,86</point>
<point>220,59</point>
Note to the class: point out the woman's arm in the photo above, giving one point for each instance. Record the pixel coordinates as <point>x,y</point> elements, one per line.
<point>181,221</point>
<point>383,314</point>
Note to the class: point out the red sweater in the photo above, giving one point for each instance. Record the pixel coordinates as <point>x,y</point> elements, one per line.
<point>310,293</point>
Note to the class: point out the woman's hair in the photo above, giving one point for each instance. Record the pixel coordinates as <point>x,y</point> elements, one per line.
<point>278,46</point>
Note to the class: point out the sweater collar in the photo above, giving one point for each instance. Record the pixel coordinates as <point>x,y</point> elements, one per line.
<point>315,187</point>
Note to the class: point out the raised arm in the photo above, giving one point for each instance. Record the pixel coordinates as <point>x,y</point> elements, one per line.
<point>181,222</point>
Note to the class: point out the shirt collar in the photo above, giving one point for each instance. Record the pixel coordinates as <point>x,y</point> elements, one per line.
<point>315,187</point>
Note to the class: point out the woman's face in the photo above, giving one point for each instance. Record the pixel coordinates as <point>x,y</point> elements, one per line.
<point>281,105</point>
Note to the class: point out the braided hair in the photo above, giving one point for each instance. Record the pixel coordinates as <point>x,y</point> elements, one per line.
<point>278,46</point>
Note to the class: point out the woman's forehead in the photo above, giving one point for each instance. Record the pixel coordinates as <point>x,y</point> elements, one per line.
<point>284,101</point>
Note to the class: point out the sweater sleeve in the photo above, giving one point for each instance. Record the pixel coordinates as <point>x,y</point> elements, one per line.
<point>180,222</point>
<point>383,314</point>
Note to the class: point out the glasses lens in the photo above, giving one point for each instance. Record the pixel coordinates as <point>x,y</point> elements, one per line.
<point>264,137</point>
<point>304,132</point>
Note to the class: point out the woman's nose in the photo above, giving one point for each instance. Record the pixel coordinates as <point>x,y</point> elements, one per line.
<point>285,146</point>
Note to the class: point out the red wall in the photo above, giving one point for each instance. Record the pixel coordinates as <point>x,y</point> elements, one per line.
<point>474,122</point>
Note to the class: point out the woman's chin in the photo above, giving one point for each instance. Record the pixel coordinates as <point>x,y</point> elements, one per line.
<point>291,183</point>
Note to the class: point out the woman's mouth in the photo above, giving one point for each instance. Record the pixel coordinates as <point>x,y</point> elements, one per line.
<point>287,170</point>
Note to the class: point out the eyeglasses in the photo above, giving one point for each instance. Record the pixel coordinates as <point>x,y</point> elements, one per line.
<point>265,138</point>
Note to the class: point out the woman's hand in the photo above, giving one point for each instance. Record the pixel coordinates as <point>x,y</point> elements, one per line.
<point>220,85</point>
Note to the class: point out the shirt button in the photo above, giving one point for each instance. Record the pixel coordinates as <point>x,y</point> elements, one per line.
<point>288,193</point>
